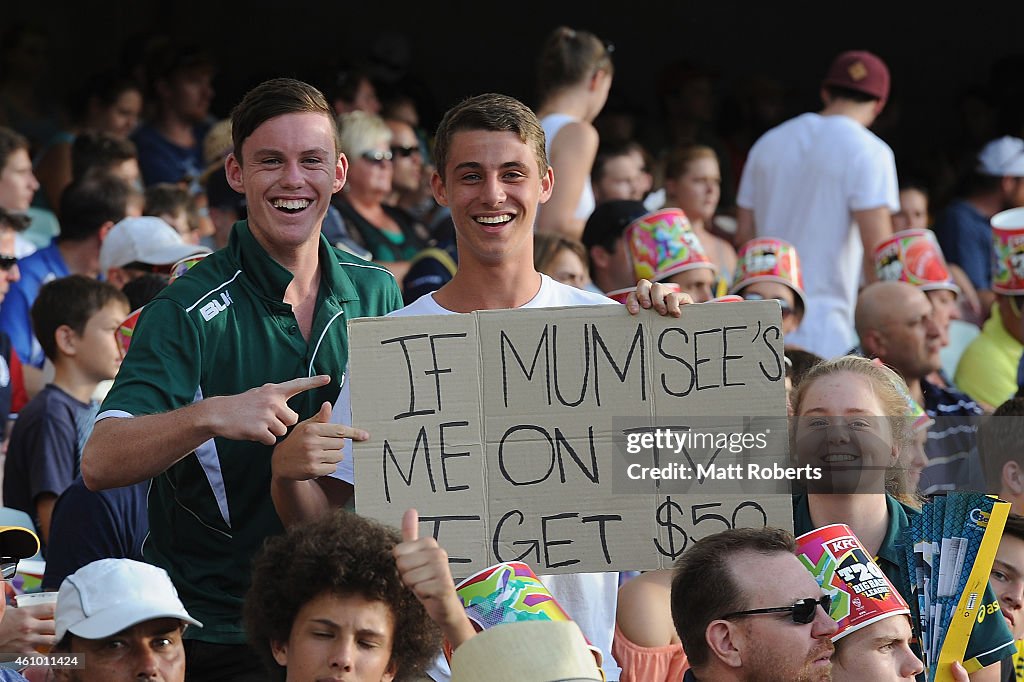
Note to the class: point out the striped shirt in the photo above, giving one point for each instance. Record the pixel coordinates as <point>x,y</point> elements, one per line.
<point>952,447</point>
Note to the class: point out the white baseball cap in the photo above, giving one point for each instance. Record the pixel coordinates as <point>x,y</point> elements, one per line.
<point>110,595</point>
<point>145,239</point>
<point>1002,157</point>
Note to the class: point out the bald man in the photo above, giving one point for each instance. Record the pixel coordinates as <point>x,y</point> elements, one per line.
<point>896,323</point>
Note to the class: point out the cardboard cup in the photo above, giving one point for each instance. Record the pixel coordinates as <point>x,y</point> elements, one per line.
<point>37,599</point>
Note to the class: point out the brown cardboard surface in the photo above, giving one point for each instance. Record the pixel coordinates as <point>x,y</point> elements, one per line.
<point>502,427</point>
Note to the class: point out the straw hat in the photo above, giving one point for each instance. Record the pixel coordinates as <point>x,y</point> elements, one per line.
<point>526,651</point>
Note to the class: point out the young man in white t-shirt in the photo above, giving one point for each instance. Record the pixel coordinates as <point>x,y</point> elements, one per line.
<point>810,180</point>
<point>492,174</point>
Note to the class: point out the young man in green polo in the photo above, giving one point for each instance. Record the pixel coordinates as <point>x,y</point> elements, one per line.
<point>226,360</point>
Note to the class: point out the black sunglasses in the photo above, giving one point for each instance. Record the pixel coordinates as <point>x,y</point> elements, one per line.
<point>404,152</point>
<point>376,156</point>
<point>802,612</point>
<point>8,567</point>
<point>8,262</point>
<point>786,310</point>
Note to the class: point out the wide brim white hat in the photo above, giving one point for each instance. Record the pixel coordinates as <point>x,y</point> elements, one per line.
<point>527,651</point>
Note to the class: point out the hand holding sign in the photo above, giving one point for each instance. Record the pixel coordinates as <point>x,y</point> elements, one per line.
<point>656,295</point>
<point>260,414</point>
<point>313,448</point>
<point>423,565</point>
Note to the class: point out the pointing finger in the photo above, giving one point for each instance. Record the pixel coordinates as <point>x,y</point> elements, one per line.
<point>294,387</point>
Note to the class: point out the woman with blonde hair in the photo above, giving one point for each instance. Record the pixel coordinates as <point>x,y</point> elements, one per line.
<point>851,425</point>
<point>390,234</point>
<point>574,75</point>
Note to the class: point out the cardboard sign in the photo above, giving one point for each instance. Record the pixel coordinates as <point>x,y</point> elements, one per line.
<point>517,433</point>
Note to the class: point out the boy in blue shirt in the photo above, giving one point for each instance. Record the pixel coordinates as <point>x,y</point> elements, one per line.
<point>74,319</point>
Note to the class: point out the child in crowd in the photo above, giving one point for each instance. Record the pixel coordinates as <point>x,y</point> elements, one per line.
<point>1007,581</point>
<point>74,319</point>
<point>348,596</point>
<point>769,268</point>
<point>1001,450</point>
<point>173,203</point>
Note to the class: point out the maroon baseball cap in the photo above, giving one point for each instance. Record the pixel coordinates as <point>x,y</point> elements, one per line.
<point>861,71</point>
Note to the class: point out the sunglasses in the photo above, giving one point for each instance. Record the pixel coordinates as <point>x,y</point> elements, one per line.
<point>786,309</point>
<point>8,262</point>
<point>8,567</point>
<point>802,612</point>
<point>377,156</point>
<point>404,152</point>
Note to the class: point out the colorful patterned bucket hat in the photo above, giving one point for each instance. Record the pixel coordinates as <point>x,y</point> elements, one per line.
<point>662,243</point>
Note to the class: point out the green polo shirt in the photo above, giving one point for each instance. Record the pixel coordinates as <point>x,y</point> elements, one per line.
<point>990,641</point>
<point>222,329</point>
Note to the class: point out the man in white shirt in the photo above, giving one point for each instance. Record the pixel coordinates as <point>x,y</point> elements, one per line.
<point>810,180</point>
<point>493,174</point>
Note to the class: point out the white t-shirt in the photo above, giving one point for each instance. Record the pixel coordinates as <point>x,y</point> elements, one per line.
<point>551,124</point>
<point>589,598</point>
<point>803,179</point>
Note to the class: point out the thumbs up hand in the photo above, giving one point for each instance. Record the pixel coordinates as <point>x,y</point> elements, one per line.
<point>313,448</point>
<point>423,566</point>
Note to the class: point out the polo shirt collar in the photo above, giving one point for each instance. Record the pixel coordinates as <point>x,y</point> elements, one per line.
<point>891,544</point>
<point>272,278</point>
